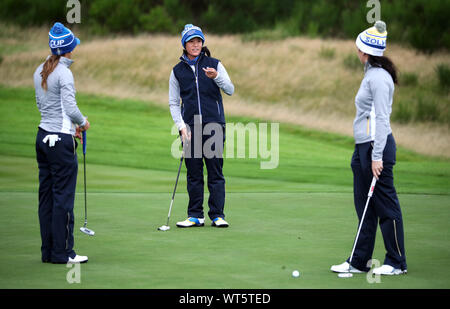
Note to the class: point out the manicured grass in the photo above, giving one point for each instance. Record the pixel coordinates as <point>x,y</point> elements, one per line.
<point>297,216</point>
<point>271,234</point>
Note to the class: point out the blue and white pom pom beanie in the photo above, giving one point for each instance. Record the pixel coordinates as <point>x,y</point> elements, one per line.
<point>61,40</point>
<point>372,41</point>
<point>190,31</point>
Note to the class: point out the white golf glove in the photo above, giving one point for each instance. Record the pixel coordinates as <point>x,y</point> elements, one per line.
<point>52,138</point>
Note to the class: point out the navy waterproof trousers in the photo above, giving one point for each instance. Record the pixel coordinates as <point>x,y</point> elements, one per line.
<point>197,151</point>
<point>384,207</point>
<point>58,168</point>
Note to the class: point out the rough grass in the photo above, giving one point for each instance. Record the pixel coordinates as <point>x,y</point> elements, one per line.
<point>296,80</point>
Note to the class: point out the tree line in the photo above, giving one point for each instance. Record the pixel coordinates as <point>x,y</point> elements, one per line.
<point>423,24</point>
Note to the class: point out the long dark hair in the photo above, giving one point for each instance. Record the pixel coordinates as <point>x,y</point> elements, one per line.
<point>204,50</point>
<point>49,66</point>
<point>385,63</point>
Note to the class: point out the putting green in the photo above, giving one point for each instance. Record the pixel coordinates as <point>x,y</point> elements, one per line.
<point>270,235</point>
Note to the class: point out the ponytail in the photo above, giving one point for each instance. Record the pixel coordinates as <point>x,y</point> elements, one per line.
<point>49,66</point>
<point>206,51</point>
<point>385,63</point>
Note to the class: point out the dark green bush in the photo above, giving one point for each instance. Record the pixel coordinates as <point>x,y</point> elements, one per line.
<point>402,111</point>
<point>115,15</point>
<point>408,79</point>
<point>443,73</point>
<point>157,20</point>
<point>427,110</point>
<point>419,109</point>
<point>32,12</point>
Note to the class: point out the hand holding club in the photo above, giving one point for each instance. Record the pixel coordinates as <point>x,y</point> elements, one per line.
<point>377,168</point>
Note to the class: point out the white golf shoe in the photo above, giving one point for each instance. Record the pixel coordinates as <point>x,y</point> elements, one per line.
<point>345,268</point>
<point>78,259</point>
<point>219,222</point>
<point>388,270</point>
<point>191,222</point>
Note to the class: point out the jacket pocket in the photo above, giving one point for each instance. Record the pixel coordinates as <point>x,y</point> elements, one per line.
<point>218,107</point>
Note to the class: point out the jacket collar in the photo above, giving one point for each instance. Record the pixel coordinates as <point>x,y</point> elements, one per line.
<point>182,58</point>
<point>367,66</point>
<point>66,61</point>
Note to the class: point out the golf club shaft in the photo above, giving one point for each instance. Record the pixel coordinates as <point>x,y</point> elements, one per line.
<point>369,195</point>
<point>84,136</point>
<point>174,190</point>
<point>178,176</point>
<point>85,195</point>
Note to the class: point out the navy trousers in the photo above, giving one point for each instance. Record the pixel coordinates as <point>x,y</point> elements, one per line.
<point>383,207</point>
<point>58,168</point>
<point>195,180</point>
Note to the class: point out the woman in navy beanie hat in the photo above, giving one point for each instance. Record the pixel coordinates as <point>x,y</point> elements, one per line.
<point>61,121</point>
<point>198,80</point>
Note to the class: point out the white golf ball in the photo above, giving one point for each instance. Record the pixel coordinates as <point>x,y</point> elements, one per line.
<point>295,273</point>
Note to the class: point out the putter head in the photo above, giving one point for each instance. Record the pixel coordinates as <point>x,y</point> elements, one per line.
<point>87,231</point>
<point>345,275</point>
<point>164,228</point>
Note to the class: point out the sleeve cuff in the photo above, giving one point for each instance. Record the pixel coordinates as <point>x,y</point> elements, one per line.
<point>217,77</point>
<point>181,126</point>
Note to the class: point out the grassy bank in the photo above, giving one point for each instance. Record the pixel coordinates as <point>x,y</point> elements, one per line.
<point>137,134</point>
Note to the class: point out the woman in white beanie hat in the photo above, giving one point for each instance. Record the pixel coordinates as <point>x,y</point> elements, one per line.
<point>374,156</point>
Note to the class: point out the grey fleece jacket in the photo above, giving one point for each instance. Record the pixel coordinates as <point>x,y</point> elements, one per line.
<point>373,109</point>
<point>57,105</point>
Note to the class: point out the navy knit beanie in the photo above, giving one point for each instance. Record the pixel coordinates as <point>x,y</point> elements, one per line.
<point>61,40</point>
<point>190,31</point>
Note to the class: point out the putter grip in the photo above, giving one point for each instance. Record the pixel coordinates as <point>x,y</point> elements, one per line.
<point>372,186</point>
<point>84,142</point>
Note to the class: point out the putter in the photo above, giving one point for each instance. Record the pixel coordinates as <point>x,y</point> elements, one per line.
<point>167,227</point>
<point>348,274</point>
<point>84,229</point>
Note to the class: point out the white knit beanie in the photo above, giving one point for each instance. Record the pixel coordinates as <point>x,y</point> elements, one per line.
<point>372,41</point>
